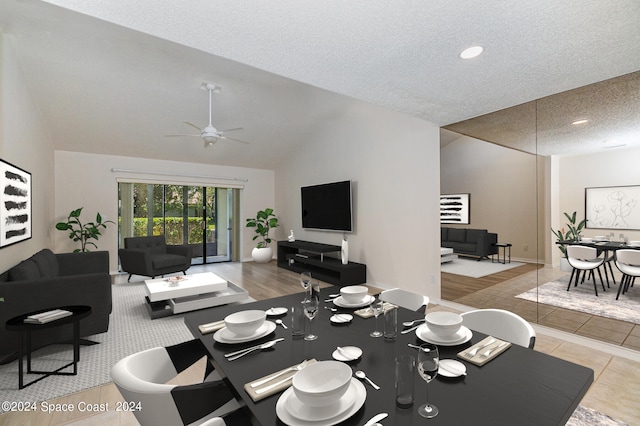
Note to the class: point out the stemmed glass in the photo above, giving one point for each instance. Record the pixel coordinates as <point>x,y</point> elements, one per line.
<point>310,310</point>
<point>428,362</point>
<point>305,279</point>
<point>376,307</point>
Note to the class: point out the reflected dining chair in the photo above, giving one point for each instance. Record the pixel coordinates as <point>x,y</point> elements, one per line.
<point>501,324</point>
<point>142,379</point>
<point>628,262</point>
<point>406,299</point>
<point>583,260</point>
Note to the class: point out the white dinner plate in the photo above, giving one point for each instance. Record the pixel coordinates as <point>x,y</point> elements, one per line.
<point>348,353</point>
<point>451,368</point>
<point>462,336</point>
<point>339,301</point>
<point>357,393</point>
<point>274,312</point>
<point>341,318</point>
<point>225,336</point>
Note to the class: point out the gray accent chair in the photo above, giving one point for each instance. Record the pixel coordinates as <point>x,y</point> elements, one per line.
<point>152,257</point>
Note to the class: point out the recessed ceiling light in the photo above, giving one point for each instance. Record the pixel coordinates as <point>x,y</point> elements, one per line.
<point>471,52</point>
<point>581,121</point>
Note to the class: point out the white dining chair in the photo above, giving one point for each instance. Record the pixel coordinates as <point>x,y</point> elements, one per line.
<point>628,262</point>
<point>142,379</point>
<point>405,299</point>
<point>504,325</point>
<point>584,259</point>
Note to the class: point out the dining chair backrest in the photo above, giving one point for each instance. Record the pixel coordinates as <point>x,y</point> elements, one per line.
<point>628,257</point>
<point>582,253</point>
<point>502,324</point>
<point>405,299</point>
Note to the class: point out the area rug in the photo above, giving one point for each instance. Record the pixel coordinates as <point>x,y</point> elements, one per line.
<point>584,416</point>
<point>582,298</point>
<point>474,268</point>
<point>130,331</point>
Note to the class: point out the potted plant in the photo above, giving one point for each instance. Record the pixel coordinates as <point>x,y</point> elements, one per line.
<point>573,233</point>
<point>83,232</point>
<point>263,222</point>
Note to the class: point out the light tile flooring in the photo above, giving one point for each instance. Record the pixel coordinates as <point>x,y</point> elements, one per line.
<point>615,392</point>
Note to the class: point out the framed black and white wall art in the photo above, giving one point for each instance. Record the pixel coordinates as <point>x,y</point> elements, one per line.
<point>613,207</point>
<point>15,208</point>
<point>454,208</point>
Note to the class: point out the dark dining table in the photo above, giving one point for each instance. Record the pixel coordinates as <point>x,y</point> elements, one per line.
<point>520,386</point>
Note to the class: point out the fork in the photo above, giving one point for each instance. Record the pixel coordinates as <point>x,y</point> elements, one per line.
<point>268,379</point>
<point>487,353</point>
<point>473,352</point>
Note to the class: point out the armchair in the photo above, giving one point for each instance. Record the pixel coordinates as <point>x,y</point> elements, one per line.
<point>151,256</point>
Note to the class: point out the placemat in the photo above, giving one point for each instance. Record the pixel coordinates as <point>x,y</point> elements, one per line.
<point>486,352</point>
<point>285,380</point>
<point>368,312</point>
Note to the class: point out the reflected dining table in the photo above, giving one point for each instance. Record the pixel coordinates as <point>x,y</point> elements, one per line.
<point>520,386</point>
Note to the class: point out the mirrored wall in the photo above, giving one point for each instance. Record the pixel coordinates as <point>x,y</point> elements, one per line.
<point>524,167</point>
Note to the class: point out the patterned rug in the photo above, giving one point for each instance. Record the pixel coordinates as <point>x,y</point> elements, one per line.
<point>583,299</point>
<point>130,331</point>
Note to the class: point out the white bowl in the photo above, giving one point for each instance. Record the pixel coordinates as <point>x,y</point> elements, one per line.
<point>586,239</point>
<point>444,324</point>
<point>354,293</point>
<point>245,323</point>
<point>634,243</point>
<point>322,383</point>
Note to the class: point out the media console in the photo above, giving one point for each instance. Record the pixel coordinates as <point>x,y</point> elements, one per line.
<point>301,256</point>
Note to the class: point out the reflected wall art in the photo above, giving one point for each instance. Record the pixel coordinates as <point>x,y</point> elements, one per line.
<point>613,207</point>
<point>454,208</point>
<point>15,208</point>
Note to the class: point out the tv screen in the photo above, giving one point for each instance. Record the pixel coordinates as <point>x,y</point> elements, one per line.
<point>327,206</point>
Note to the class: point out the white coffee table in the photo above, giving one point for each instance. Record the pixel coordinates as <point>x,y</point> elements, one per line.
<point>174,295</point>
<point>446,255</point>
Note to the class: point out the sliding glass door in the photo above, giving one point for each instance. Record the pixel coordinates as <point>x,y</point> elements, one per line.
<point>200,216</point>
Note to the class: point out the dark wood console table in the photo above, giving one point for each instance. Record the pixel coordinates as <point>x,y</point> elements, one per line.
<point>300,256</point>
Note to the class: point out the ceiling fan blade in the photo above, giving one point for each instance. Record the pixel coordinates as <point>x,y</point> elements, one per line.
<point>232,130</point>
<point>192,125</point>
<point>177,136</point>
<point>234,139</point>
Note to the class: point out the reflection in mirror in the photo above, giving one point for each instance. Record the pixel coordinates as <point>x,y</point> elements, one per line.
<point>584,138</point>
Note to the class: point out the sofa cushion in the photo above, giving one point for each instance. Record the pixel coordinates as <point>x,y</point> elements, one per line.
<point>160,261</point>
<point>47,263</point>
<point>457,235</point>
<point>465,247</point>
<point>26,270</point>
<point>444,234</point>
<point>473,235</point>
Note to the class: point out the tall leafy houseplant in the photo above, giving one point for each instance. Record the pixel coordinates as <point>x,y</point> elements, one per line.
<point>83,232</point>
<point>573,233</point>
<point>263,222</point>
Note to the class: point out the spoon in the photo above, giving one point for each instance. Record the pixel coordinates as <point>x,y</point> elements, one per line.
<point>410,323</point>
<point>279,321</point>
<point>360,375</point>
<point>266,345</point>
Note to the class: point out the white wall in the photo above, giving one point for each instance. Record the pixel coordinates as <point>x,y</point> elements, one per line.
<point>393,161</point>
<point>25,143</point>
<point>86,180</point>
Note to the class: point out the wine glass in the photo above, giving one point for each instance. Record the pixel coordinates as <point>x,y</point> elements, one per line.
<point>428,361</point>
<point>305,279</point>
<point>310,310</point>
<point>376,307</point>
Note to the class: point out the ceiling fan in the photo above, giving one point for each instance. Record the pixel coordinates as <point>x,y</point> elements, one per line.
<point>210,135</point>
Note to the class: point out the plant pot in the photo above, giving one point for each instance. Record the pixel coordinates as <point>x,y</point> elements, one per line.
<point>262,255</point>
<point>564,265</point>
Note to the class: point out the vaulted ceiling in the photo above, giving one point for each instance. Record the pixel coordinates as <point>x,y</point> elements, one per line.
<point>115,77</point>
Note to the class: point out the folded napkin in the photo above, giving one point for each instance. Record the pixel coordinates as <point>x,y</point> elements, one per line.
<point>211,327</point>
<point>285,380</point>
<point>368,312</point>
<point>481,358</point>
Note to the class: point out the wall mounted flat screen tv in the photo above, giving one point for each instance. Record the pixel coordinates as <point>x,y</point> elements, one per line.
<point>327,207</point>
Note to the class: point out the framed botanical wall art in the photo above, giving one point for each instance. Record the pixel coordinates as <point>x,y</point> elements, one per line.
<point>15,204</point>
<point>454,208</point>
<point>613,207</point>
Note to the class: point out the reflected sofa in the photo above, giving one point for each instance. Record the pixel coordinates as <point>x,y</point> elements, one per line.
<point>469,242</point>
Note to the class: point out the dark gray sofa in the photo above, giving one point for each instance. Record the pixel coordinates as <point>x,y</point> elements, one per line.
<point>46,281</point>
<point>471,242</point>
<point>151,256</point>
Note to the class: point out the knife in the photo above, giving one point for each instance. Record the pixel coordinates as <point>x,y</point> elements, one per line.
<point>247,349</point>
<point>376,419</point>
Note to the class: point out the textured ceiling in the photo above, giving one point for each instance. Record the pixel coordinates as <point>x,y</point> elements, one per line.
<point>115,76</point>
